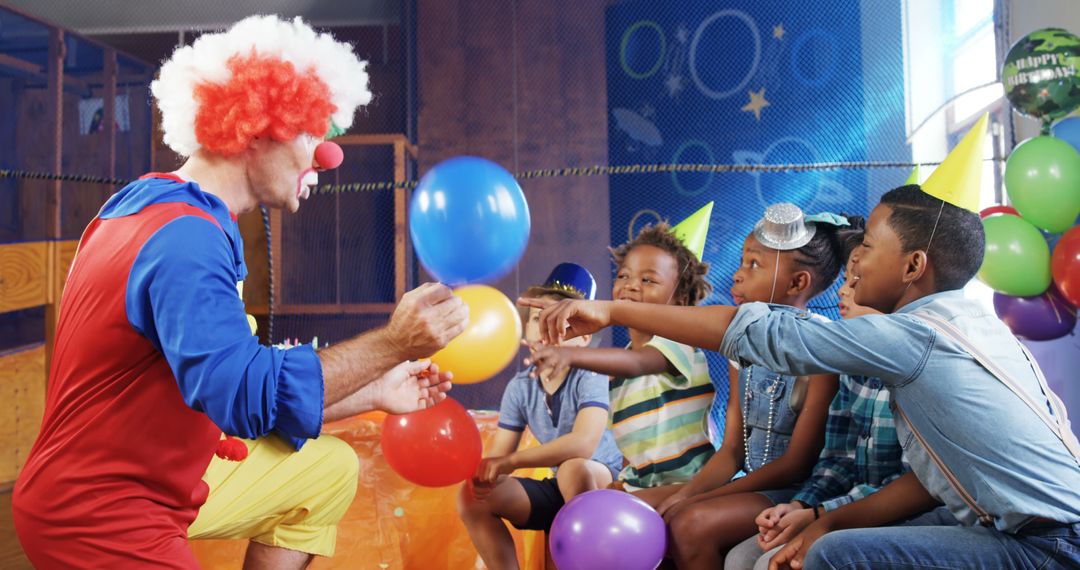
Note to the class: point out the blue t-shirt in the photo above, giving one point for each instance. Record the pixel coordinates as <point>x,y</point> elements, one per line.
<point>526,404</point>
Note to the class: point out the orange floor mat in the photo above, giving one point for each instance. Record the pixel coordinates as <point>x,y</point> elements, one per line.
<point>392,523</point>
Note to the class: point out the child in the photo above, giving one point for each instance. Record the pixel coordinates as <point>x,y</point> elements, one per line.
<point>780,417</point>
<point>660,390</point>
<point>567,413</point>
<point>985,436</point>
<point>861,455</point>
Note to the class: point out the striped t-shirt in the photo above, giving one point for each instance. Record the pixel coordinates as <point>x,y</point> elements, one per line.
<point>659,420</point>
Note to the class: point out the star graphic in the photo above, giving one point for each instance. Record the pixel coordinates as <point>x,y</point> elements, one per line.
<point>682,34</point>
<point>778,31</point>
<point>756,104</point>
<point>674,84</point>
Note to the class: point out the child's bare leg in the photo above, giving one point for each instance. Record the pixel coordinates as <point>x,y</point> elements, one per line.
<point>702,533</point>
<point>577,476</point>
<point>656,495</point>
<point>483,519</point>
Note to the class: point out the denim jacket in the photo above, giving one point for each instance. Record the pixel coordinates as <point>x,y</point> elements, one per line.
<point>765,396</point>
<point>1012,464</point>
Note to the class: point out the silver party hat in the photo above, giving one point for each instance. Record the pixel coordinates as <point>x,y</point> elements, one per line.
<point>784,227</point>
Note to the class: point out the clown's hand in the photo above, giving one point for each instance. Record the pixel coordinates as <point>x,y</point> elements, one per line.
<point>426,320</point>
<point>569,318</point>
<point>410,386</point>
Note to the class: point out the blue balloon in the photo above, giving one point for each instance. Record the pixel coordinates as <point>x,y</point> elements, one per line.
<point>469,221</point>
<point>1068,130</point>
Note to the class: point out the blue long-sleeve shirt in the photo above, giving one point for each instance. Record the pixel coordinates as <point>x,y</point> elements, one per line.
<point>182,296</point>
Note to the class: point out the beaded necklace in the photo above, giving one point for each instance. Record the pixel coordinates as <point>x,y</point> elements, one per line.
<point>746,430</point>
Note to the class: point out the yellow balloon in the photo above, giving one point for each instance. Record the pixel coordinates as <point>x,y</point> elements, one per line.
<point>489,343</point>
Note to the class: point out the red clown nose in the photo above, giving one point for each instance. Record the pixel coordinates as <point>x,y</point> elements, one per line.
<point>328,156</point>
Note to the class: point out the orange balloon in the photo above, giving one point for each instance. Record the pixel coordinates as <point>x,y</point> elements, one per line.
<point>489,343</point>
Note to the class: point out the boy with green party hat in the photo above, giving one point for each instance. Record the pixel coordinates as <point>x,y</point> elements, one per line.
<point>660,390</point>
<point>981,429</point>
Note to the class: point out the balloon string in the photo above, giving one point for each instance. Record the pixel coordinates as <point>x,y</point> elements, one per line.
<point>1054,306</point>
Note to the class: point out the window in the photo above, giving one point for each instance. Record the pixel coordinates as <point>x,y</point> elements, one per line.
<point>952,79</point>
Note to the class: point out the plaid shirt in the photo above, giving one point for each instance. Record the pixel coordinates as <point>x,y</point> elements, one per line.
<point>861,452</point>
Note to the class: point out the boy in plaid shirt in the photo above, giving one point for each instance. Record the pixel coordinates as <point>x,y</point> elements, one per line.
<point>861,455</point>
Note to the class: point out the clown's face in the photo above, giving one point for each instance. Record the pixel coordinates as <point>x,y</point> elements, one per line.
<point>282,173</point>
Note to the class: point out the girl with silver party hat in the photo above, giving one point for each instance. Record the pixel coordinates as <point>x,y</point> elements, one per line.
<point>772,429</point>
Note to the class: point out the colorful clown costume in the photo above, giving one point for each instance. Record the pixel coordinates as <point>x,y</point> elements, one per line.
<point>153,359</point>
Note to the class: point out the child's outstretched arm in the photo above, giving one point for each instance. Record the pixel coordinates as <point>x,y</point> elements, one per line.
<point>892,348</point>
<point>703,327</point>
<point>558,360</point>
<point>581,442</point>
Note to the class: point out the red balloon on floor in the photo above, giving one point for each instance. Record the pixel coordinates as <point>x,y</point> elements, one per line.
<point>435,447</point>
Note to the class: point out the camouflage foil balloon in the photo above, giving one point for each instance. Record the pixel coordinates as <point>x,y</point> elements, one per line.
<point>1041,74</point>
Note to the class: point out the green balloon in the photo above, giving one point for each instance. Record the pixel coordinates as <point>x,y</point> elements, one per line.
<point>1041,74</point>
<point>1042,177</point>
<point>1017,259</point>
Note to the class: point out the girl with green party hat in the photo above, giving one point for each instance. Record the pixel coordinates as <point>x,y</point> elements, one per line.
<point>660,390</point>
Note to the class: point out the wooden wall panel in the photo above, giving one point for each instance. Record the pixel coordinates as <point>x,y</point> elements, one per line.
<point>22,389</point>
<point>466,80</point>
<point>24,275</point>
<point>10,89</point>
<point>527,91</point>
<point>256,292</point>
<point>34,152</point>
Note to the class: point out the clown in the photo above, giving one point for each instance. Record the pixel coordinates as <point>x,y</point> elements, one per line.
<point>154,358</point>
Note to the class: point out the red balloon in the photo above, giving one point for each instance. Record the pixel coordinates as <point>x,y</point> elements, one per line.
<point>999,209</point>
<point>435,447</point>
<point>1065,266</point>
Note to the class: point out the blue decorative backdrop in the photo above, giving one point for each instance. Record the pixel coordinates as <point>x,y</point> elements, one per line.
<point>750,83</point>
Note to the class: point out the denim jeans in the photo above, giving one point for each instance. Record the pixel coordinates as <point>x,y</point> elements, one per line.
<point>925,547</point>
<point>933,540</point>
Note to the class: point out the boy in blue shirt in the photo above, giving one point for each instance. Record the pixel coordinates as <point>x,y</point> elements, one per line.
<point>983,434</point>
<point>568,415</point>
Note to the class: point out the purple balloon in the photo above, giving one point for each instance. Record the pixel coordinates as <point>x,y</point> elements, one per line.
<point>607,529</point>
<point>1042,317</point>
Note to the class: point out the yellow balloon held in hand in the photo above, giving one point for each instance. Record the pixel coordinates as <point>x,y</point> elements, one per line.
<point>489,343</point>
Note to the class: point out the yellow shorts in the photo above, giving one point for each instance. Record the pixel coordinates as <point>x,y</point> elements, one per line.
<point>280,497</point>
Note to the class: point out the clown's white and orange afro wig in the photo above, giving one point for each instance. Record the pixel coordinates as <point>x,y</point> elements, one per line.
<point>262,77</point>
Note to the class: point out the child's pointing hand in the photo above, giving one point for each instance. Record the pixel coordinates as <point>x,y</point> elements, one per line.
<point>570,318</point>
